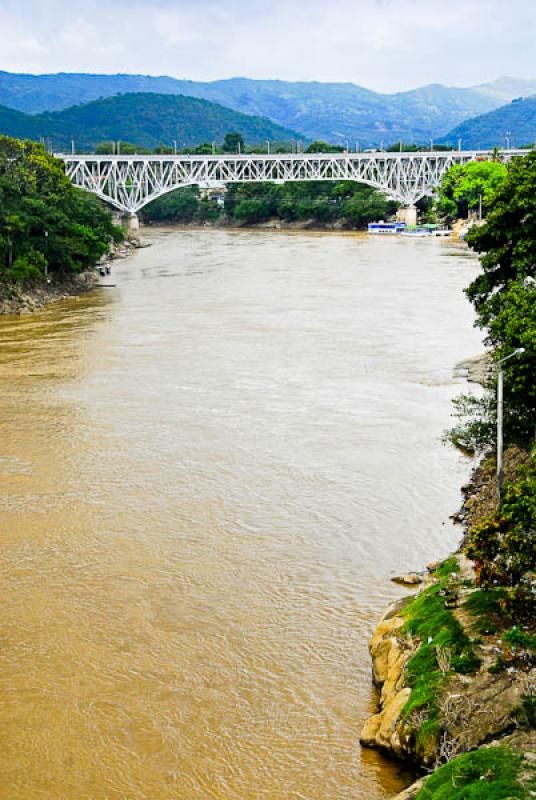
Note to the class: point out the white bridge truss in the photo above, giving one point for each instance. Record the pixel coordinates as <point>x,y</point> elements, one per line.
<point>130,182</point>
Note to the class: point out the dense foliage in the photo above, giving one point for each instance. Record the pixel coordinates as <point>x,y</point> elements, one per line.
<point>504,293</point>
<point>352,203</point>
<point>470,187</point>
<point>184,206</point>
<point>348,203</point>
<point>503,544</point>
<point>146,120</point>
<point>46,225</point>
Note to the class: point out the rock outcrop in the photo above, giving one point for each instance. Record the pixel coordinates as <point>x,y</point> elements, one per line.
<point>473,709</point>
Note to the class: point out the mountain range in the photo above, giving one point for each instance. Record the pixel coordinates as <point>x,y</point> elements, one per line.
<point>145,119</point>
<point>335,112</point>
<point>510,125</point>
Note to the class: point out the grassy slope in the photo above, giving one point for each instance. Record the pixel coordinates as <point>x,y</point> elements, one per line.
<point>489,773</point>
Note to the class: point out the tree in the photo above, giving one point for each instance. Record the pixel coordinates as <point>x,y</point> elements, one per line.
<point>181,205</point>
<point>465,186</point>
<point>46,224</point>
<point>233,143</point>
<point>504,297</point>
<point>319,146</point>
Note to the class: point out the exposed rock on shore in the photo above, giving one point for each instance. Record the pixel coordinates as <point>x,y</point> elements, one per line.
<point>471,709</point>
<point>24,300</point>
<point>15,299</point>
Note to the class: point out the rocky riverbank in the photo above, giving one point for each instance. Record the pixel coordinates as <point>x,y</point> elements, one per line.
<point>25,299</point>
<point>449,682</point>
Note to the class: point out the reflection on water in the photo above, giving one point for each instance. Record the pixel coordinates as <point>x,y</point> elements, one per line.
<point>208,475</point>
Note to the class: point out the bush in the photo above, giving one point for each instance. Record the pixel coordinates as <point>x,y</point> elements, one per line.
<point>27,269</point>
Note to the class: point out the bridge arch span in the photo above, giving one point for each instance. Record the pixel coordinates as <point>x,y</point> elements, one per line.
<point>131,182</point>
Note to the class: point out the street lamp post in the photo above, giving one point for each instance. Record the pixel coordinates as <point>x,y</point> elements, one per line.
<point>500,410</point>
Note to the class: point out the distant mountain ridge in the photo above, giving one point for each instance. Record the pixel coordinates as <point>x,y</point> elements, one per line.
<point>144,119</point>
<point>331,111</point>
<point>512,125</point>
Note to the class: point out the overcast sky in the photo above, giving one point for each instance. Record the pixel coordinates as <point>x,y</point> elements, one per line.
<point>385,45</point>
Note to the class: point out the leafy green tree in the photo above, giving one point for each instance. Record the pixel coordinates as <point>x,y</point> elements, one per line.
<point>181,205</point>
<point>233,143</point>
<point>319,146</point>
<point>464,186</point>
<point>504,297</point>
<point>504,293</point>
<point>46,224</point>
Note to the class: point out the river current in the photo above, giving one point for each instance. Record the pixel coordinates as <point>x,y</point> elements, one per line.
<point>209,474</point>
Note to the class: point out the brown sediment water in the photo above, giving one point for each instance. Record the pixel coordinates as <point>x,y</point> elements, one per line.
<point>208,475</point>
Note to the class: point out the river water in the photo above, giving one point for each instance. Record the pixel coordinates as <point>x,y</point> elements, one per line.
<point>208,475</point>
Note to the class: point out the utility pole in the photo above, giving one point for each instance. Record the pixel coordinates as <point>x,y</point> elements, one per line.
<point>174,146</point>
<point>73,151</point>
<point>459,145</point>
<point>500,413</point>
<point>268,146</point>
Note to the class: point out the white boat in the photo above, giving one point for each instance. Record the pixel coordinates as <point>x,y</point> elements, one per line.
<point>382,228</point>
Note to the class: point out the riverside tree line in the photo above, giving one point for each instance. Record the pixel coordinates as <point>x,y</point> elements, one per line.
<point>48,228</point>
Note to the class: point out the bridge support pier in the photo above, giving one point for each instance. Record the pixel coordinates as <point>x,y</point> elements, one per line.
<point>407,214</point>
<point>133,223</point>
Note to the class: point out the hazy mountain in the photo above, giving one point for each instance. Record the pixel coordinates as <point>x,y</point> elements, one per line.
<point>332,111</point>
<point>507,89</point>
<point>517,121</point>
<point>143,119</point>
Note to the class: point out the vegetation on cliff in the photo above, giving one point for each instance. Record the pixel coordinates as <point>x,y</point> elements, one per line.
<point>456,665</point>
<point>490,773</point>
<point>47,227</point>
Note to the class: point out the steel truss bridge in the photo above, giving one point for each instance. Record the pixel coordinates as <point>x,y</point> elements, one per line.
<point>130,182</point>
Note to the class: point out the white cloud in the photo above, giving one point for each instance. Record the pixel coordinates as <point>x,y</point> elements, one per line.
<point>382,44</point>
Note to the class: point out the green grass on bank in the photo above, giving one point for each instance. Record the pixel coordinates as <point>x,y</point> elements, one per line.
<point>490,773</point>
<point>444,648</point>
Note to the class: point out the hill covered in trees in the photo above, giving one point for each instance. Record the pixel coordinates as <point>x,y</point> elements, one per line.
<point>331,111</point>
<point>145,119</point>
<point>514,123</point>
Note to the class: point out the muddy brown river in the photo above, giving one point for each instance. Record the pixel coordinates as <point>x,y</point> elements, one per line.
<point>208,475</point>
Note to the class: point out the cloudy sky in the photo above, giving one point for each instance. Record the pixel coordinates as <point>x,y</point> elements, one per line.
<point>385,45</point>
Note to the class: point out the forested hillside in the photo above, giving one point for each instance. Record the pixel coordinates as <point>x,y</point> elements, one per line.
<point>147,120</point>
<point>331,111</point>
